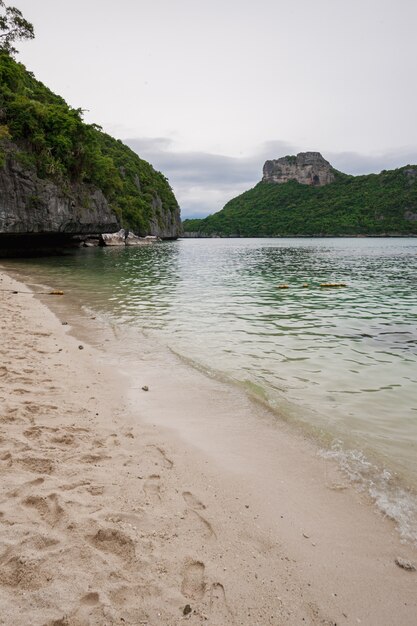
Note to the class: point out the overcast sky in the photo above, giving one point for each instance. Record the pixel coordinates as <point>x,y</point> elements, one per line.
<point>207,90</point>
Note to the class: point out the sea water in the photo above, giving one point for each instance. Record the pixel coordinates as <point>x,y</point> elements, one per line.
<point>338,362</point>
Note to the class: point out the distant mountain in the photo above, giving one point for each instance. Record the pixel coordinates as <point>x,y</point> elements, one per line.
<point>304,195</point>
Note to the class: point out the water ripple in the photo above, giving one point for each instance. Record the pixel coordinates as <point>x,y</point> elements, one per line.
<point>345,357</point>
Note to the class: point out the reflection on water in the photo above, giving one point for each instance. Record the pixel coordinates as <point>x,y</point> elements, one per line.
<point>344,360</point>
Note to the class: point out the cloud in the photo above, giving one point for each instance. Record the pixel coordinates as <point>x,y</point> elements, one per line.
<point>355,163</point>
<point>203,182</point>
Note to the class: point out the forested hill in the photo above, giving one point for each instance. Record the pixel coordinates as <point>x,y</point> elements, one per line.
<point>46,148</point>
<point>375,204</point>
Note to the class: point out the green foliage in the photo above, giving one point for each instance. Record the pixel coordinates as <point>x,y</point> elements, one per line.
<point>13,27</point>
<point>352,205</point>
<point>53,139</point>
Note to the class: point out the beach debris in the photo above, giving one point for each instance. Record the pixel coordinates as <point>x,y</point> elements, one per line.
<point>306,536</point>
<point>145,388</point>
<point>404,564</point>
<point>65,323</point>
<point>56,292</point>
<point>186,610</point>
<point>333,285</point>
<point>80,347</point>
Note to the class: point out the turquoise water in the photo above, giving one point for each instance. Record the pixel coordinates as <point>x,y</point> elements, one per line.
<point>341,362</point>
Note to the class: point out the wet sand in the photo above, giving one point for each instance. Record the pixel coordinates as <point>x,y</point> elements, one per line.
<point>183,503</point>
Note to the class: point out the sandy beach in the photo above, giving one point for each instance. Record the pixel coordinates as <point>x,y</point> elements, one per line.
<point>182,503</point>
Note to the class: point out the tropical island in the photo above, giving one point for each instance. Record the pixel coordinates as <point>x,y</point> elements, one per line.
<point>138,486</point>
<point>61,177</point>
<point>305,196</point>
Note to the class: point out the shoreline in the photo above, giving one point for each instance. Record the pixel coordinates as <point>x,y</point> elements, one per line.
<point>120,505</point>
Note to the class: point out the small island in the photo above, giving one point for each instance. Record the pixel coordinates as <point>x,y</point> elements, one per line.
<point>305,196</point>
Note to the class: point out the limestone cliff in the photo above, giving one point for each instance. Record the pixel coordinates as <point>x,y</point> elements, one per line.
<point>164,224</point>
<point>307,168</point>
<point>31,205</point>
<point>61,177</point>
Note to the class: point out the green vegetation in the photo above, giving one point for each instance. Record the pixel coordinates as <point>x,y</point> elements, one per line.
<point>48,135</point>
<point>13,27</point>
<point>375,204</point>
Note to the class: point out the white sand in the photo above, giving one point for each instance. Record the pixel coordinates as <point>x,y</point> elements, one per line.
<point>120,506</point>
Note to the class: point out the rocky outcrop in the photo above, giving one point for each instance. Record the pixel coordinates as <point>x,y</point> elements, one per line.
<point>125,238</point>
<point>30,205</point>
<point>307,168</point>
<point>165,224</point>
<point>39,216</point>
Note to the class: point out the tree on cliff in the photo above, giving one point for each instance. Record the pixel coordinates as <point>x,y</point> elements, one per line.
<point>13,27</point>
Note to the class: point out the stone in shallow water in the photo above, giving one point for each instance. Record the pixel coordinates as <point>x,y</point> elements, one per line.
<point>125,238</point>
<point>133,240</point>
<point>113,239</point>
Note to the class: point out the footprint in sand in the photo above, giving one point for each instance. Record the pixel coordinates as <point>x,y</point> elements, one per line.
<point>23,573</point>
<point>40,543</point>
<point>200,524</point>
<point>90,599</point>
<point>64,439</point>
<point>152,487</point>
<point>7,459</point>
<point>220,612</point>
<point>125,518</point>
<point>160,457</point>
<point>20,391</point>
<point>95,490</point>
<point>192,501</point>
<point>37,464</point>
<point>193,585</point>
<point>36,432</point>
<point>49,509</point>
<point>94,458</point>
<point>25,488</point>
<point>114,541</point>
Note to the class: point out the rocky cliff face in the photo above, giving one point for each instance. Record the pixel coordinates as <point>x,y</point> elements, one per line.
<point>307,168</point>
<point>38,215</point>
<point>30,205</point>
<point>165,224</point>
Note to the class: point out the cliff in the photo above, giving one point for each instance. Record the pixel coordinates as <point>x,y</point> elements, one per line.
<point>290,201</point>
<point>307,168</point>
<point>61,177</point>
<point>29,204</point>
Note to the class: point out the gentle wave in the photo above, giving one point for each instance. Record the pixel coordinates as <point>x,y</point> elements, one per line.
<point>391,498</point>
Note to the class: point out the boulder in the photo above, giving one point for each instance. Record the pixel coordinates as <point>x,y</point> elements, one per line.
<point>133,240</point>
<point>126,238</point>
<point>113,239</point>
